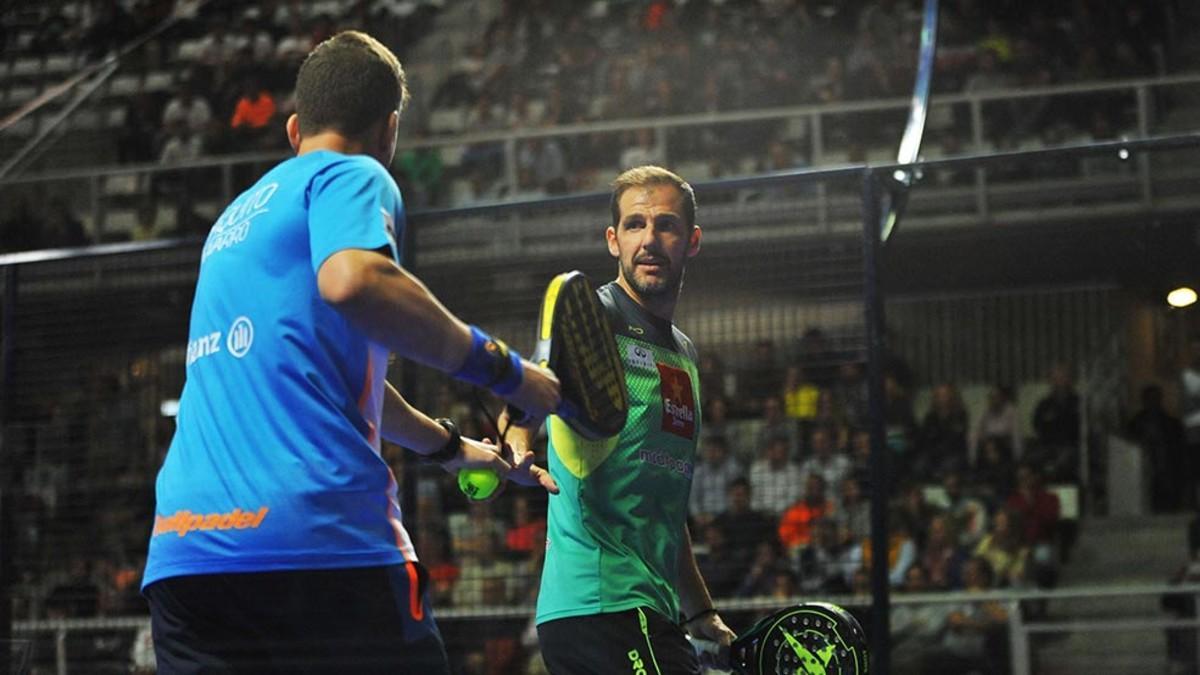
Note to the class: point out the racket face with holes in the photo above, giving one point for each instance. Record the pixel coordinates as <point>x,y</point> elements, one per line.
<point>576,341</point>
<point>813,638</point>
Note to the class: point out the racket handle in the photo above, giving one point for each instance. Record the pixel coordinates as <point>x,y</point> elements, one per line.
<point>711,654</point>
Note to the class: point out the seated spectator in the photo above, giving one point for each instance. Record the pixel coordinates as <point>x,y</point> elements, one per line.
<point>828,460</point>
<point>712,379</point>
<point>796,525</point>
<point>850,392</point>
<point>995,471</point>
<point>901,553</point>
<point>718,565</point>
<point>711,480</point>
<point>828,415</point>
<point>860,457</point>
<point>821,567</point>
<point>775,424</point>
<point>439,565</point>
<point>942,557</point>
<point>1003,550</point>
<point>759,579</point>
<point>527,535</point>
<point>253,115</point>
<point>1038,510</point>
<point>485,578</point>
<point>475,530</point>
<point>640,150</point>
<point>969,516</point>
<point>774,480</point>
<point>187,108</point>
<point>854,511</point>
<point>976,639</point>
<point>181,145</point>
<point>799,395</point>
<point>744,527</point>
<point>138,136</point>
<point>918,628</point>
<point>914,511</point>
<point>761,378</point>
<point>294,46</point>
<point>942,444</point>
<point>998,422</point>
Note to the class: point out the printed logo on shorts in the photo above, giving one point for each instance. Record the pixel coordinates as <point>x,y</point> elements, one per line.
<point>638,356</point>
<point>635,660</point>
<point>678,403</point>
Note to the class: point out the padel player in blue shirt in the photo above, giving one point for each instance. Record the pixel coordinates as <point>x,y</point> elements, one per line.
<point>277,544</point>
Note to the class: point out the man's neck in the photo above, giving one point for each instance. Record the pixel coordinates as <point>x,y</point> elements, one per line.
<point>662,306</point>
<point>328,140</point>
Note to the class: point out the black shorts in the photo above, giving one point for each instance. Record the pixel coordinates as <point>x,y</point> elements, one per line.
<point>360,620</point>
<point>633,642</point>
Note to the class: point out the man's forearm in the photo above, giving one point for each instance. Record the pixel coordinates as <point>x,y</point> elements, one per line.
<point>394,309</point>
<point>404,425</point>
<point>693,593</point>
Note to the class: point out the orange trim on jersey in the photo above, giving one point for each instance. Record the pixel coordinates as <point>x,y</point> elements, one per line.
<point>365,397</point>
<point>415,606</point>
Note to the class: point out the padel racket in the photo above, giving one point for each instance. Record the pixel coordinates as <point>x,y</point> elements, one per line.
<point>813,638</point>
<point>576,341</point>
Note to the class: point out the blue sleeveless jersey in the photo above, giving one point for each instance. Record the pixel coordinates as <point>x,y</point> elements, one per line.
<point>275,462</point>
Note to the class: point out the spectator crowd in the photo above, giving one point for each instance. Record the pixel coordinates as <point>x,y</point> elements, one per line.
<point>539,64</point>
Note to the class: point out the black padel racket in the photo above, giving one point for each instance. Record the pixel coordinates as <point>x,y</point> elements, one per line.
<point>576,341</point>
<point>814,638</point>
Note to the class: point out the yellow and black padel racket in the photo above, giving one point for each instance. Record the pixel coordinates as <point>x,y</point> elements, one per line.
<point>576,341</point>
<point>812,638</point>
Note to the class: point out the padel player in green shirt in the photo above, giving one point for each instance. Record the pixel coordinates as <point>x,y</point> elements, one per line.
<point>620,584</point>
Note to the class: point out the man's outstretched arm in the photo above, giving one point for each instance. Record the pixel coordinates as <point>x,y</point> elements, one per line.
<point>394,309</point>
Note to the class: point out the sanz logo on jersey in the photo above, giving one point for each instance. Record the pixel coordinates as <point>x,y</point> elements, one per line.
<point>241,336</point>
<point>679,404</point>
<point>638,356</point>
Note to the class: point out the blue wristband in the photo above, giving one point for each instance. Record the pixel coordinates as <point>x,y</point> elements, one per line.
<point>491,364</point>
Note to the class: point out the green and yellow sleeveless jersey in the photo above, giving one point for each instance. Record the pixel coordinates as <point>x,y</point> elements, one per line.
<point>616,527</point>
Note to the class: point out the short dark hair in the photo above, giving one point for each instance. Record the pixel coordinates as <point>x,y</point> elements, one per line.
<point>348,83</point>
<point>644,176</point>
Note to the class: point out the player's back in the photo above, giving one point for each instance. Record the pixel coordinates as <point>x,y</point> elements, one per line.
<point>275,463</point>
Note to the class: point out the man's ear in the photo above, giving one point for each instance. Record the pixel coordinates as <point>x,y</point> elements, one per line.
<point>391,136</point>
<point>293,132</point>
<point>610,235</point>
<point>694,242</point>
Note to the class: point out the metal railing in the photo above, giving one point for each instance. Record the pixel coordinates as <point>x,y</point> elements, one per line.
<point>1021,631</point>
<point>824,130</point>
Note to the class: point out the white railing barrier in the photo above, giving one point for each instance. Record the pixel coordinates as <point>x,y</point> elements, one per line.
<point>1019,629</point>
<point>815,118</point>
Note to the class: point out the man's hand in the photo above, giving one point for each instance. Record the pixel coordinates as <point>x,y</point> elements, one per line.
<point>538,395</point>
<point>478,455</point>
<point>711,627</point>
<point>516,451</point>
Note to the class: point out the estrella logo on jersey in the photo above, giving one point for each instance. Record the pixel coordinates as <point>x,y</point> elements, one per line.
<point>679,405</point>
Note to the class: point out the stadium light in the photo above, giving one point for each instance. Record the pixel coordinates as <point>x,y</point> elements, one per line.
<point>1181,297</point>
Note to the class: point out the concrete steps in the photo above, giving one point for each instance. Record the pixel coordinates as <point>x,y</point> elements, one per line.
<point>1114,552</point>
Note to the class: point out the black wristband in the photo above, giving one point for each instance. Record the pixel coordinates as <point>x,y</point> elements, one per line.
<point>450,450</point>
<point>700,614</point>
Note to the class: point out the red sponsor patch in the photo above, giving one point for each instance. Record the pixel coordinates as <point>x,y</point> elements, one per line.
<point>678,403</point>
